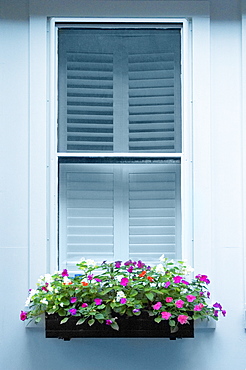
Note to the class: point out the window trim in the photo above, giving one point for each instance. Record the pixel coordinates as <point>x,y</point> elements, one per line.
<point>186,155</point>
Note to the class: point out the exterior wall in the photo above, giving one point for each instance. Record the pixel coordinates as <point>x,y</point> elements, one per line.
<point>219,194</point>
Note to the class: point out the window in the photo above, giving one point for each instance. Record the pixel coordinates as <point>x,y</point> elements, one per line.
<point>119,142</point>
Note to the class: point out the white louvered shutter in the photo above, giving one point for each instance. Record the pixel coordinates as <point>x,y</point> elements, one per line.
<point>117,211</point>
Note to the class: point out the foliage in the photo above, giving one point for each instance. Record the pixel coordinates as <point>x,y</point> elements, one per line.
<point>103,292</point>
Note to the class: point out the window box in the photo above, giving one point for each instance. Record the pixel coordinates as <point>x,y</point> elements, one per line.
<point>141,326</point>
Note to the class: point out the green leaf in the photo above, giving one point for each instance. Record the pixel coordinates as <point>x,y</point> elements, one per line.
<point>80,321</point>
<point>150,296</point>
<point>64,320</point>
<point>172,323</point>
<point>91,322</point>
<point>115,326</point>
<point>157,319</point>
<point>99,316</point>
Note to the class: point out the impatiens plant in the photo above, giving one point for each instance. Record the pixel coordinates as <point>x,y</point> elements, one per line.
<point>103,292</point>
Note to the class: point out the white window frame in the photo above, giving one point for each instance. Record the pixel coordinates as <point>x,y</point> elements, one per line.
<point>186,155</point>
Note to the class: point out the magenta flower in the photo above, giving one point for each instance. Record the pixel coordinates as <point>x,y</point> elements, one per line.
<point>190,298</point>
<point>23,315</point>
<point>108,322</point>
<point>198,307</point>
<point>217,305</point>
<point>84,305</point>
<point>98,280</point>
<point>157,306</point>
<point>128,263</point>
<point>169,299</point>
<point>98,301</point>
<point>140,264</point>
<point>130,269</point>
<point>167,284</point>
<point>124,281</point>
<point>123,300</point>
<point>73,300</point>
<point>177,279</point>
<point>203,278</point>
<point>117,264</point>
<point>72,311</point>
<point>65,273</point>
<point>183,319</point>
<point>223,312</point>
<point>166,315</point>
<point>136,310</point>
<point>208,294</point>
<point>179,303</point>
<point>216,312</point>
<point>90,277</point>
<point>185,282</point>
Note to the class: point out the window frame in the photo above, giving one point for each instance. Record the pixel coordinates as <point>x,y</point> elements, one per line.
<point>185,156</point>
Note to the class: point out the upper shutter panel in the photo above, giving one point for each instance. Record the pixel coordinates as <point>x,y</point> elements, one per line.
<point>152,103</point>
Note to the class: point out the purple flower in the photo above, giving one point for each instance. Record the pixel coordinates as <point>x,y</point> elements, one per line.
<point>98,280</point>
<point>124,281</point>
<point>167,284</point>
<point>98,301</point>
<point>123,300</point>
<point>140,264</point>
<point>108,322</point>
<point>203,278</point>
<point>72,311</point>
<point>217,305</point>
<point>216,313</point>
<point>128,263</point>
<point>73,300</point>
<point>130,269</point>
<point>223,312</point>
<point>90,277</point>
<point>208,294</point>
<point>117,264</point>
<point>157,306</point>
<point>136,310</point>
<point>23,315</point>
<point>185,282</point>
<point>65,273</point>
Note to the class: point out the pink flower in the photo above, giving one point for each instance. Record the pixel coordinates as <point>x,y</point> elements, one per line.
<point>177,279</point>
<point>65,273</point>
<point>84,305</point>
<point>90,277</point>
<point>117,264</point>
<point>23,315</point>
<point>185,282</point>
<point>179,303</point>
<point>166,315</point>
<point>157,306</point>
<point>198,307</point>
<point>169,299</point>
<point>98,301</point>
<point>73,300</point>
<point>123,300</point>
<point>98,280</point>
<point>203,278</point>
<point>73,311</point>
<point>124,281</point>
<point>190,298</point>
<point>183,319</point>
<point>108,322</point>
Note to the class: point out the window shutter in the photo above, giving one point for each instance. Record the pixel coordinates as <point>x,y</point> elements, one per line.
<point>119,91</point>
<point>112,211</point>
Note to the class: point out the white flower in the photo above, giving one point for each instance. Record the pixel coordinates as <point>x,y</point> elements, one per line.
<point>48,278</point>
<point>120,295</point>
<point>160,269</point>
<point>44,301</point>
<point>66,280</point>
<point>90,262</point>
<point>162,258</point>
<point>29,298</point>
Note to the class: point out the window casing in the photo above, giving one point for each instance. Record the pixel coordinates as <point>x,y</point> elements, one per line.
<point>119,142</point>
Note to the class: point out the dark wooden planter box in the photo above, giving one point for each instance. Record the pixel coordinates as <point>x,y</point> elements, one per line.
<point>130,327</point>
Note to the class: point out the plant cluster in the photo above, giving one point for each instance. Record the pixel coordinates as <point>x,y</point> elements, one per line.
<point>103,292</point>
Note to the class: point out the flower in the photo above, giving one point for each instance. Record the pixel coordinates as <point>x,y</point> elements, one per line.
<point>183,319</point>
<point>98,301</point>
<point>157,306</point>
<point>190,298</point>
<point>177,279</point>
<point>65,273</point>
<point>166,315</point>
<point>124,281</point>
<point>72,311</point>
<point>169,299</point>
<point>123,300</point>
<point>105,291</point>
<point>179,303</point>
<point>198,307</point>
<point>23,315</point>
